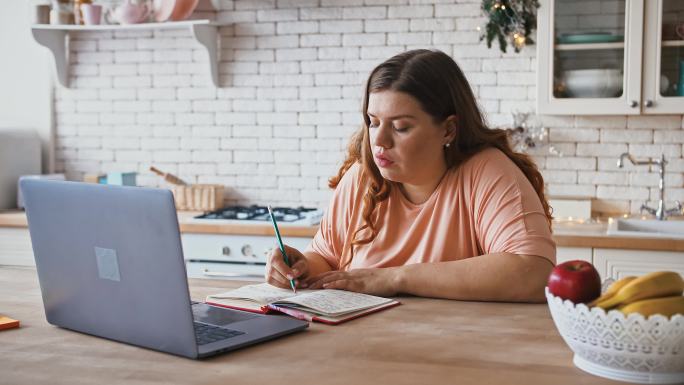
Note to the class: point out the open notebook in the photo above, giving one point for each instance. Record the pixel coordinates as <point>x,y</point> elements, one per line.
<point>327,306</point>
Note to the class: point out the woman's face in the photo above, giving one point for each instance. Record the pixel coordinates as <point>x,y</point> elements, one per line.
<point>407,145</point>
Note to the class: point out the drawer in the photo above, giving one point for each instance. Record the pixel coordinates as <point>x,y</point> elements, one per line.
<point>232,271</point>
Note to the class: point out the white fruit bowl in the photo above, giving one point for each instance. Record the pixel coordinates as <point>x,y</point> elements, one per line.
<point>624,348</point>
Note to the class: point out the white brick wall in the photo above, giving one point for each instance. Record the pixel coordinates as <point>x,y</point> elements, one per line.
<point>291,74</point>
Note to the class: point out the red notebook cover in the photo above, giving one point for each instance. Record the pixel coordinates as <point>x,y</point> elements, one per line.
<point>309,317</point>
<point>306,316</point>
<point>262,310</point>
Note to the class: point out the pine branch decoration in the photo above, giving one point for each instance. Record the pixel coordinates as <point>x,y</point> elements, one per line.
<point>509,21</point>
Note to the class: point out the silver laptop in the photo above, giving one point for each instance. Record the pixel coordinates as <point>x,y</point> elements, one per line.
<point>110,264</point>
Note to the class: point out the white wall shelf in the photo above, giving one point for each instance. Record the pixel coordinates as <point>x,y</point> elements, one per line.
<point>54,38</point>
<point>673,43</point>
<point>589,46</point>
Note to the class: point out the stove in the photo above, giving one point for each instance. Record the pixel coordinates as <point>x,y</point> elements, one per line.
<point>236,256</point>
<point>283,215</point>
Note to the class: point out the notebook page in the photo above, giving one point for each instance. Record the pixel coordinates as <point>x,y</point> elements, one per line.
<point>334,302</point>
<point>262,293</point>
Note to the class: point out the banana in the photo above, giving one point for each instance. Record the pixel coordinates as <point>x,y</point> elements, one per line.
<point>657,284</point>
<point>667,306</point>
<point>613,289</point>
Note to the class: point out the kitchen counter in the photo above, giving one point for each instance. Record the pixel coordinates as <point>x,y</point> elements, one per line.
<point>423,341</point>
<point>565,234</point>
<point>17,218</point>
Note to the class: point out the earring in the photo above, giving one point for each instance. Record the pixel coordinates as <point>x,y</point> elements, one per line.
<point>447,145</point>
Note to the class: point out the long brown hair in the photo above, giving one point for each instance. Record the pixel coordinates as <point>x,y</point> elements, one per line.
<point>438,84</point>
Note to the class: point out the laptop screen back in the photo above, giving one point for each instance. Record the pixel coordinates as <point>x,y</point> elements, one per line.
<point>110,262</point>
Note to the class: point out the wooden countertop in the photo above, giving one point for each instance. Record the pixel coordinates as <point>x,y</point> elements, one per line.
<point>17,218</point>
<point>187,225</point>
<point>423,341</point>
<point>572,235</point>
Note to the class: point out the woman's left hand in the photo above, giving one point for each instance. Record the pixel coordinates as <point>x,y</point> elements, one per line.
<point>378,281</point>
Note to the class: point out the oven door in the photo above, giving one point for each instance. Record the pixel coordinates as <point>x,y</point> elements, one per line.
<point>231,256</point>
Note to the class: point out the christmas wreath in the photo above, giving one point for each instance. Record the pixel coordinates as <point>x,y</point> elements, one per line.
<point>509,21</point>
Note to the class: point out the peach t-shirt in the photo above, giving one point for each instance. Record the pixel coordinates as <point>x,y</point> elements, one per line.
<point>486,205</point>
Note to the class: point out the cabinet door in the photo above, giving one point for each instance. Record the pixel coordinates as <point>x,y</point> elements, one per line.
<point>589,57</point>
<point>664,57</point>
<point>618,263</point>
<point>15,247</point>
<point>564,254</point>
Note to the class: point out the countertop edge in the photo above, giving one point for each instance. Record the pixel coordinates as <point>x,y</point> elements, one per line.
<point>17,219</point>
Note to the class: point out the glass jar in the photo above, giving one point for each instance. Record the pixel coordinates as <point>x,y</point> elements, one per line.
<point>61,12</point>
<point>78,14</point>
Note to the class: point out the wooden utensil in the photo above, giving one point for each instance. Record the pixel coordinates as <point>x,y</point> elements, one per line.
<point>168,177</point>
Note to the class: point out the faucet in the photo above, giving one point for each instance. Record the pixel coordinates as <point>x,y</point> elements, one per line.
<point>660,213</point>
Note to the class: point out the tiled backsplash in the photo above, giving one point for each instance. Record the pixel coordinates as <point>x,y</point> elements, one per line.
<point>291,75</point>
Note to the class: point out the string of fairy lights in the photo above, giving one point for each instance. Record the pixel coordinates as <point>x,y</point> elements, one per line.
<point>509,22</point>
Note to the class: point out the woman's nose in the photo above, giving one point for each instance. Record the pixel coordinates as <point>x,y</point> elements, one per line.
<point>383,136</point>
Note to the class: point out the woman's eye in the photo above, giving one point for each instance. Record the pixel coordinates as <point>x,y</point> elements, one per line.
<point>372,125</point>
<point>401,129</point>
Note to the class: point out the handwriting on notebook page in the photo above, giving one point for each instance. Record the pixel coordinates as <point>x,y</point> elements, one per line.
<point>336,301</point>
<point>263,293</point>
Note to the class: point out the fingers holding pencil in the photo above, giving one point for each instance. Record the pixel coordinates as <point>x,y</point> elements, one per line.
<point>278,273</point>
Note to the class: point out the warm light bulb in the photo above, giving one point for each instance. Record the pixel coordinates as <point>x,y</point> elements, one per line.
<point>518,40</point>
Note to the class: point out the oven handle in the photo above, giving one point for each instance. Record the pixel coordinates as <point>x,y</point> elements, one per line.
<point>209,273</point>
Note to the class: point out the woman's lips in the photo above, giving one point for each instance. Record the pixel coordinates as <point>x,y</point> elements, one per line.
<point>382,161</point>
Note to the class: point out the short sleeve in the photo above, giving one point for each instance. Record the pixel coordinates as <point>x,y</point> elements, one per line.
<point>508,213</point>
<point>330,238</point>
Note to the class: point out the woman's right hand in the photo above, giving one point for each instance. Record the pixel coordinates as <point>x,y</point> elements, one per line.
<point>279,274</point>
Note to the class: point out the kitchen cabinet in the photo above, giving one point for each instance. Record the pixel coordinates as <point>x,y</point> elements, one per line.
<point>15,247</point>
<point>618,57</point>
<point>55,38</point>
<point>564,254</point>
<point>619,263</point>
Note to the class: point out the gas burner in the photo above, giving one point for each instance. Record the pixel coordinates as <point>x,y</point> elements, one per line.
<point>310,216</point>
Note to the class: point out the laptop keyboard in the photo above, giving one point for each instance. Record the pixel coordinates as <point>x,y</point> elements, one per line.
<point>206,334</point>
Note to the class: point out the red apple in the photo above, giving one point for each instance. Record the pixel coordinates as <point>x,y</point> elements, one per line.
<point>577,281</point>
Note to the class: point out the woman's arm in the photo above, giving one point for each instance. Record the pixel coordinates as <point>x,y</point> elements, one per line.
<point>491,277</point>
<point>317,264</point>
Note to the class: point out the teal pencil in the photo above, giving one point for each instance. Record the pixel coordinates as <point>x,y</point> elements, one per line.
<point>281,246</point>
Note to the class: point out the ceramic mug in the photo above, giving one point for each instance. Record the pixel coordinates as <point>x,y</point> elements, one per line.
<point>92,13</point>
<point>41,14</point>
<point>128,13</point>
<point>679,30</point>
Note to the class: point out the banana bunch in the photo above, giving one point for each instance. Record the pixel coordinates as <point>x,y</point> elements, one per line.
<point>655,293</point>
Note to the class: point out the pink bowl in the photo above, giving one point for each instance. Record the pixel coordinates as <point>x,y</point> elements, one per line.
<point>162,9</point>
<point>183,9</point>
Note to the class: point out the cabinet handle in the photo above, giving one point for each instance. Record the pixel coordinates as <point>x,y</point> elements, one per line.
<point>209,273</point>
<point>648,103</point>
<point>633,103</point>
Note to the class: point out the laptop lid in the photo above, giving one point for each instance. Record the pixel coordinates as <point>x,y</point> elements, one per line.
<point>110,262</point>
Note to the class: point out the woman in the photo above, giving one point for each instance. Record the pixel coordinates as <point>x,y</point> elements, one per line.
<point>429,201</point>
